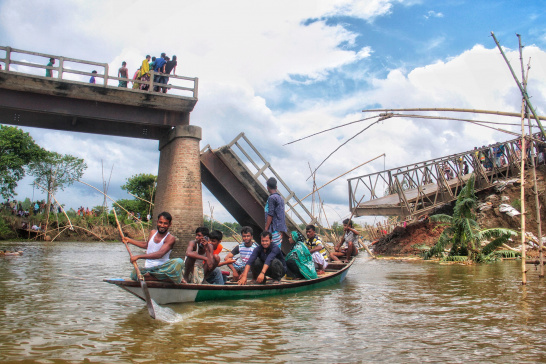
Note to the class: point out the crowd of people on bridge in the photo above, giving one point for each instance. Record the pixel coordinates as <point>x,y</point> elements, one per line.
<point>491,157</point>
<point>162,67</point>
<point>257,261</point>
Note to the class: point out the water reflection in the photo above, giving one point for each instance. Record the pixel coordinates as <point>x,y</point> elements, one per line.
<point>55,307</point>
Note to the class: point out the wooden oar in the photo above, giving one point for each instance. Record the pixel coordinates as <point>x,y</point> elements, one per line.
<point>139,275</point>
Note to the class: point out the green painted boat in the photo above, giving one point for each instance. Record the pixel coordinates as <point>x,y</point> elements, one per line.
<point>166,292</point>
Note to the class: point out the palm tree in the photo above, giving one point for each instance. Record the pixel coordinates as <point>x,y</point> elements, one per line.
<point>463,232</point>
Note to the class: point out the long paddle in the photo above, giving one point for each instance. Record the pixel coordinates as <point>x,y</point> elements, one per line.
<point>139,275</point>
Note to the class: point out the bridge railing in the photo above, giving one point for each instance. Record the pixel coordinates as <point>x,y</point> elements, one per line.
<point>261,170</point>
<point>71,69</point>
<point>445,175</point>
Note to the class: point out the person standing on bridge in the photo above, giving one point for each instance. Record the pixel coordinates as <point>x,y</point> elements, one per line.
<point>274,214</point>
<point>48,71</point>
<point>159,66</point>
<point>123,72</point>
<point>170,66</point>
<point>92,79</point>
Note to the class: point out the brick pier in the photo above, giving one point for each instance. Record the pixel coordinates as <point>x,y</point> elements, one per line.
<point>179,189</point>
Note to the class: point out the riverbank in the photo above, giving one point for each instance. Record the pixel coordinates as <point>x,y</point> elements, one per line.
<point>492,212</point>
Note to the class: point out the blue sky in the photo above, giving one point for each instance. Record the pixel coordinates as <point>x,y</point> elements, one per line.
<point>285,69</point>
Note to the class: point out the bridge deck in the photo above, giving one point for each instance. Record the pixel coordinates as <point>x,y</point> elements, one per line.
<point>391,205</point>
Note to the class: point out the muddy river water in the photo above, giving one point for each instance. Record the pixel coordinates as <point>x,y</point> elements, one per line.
<point>54,308</point>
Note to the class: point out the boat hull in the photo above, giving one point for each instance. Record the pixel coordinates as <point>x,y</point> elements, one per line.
<point>165,293</point>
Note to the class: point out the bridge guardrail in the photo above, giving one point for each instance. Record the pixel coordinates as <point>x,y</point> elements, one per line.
<point>445,173</point>
<point>66,65</point>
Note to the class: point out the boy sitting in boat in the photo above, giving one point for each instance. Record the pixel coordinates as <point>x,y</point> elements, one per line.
<point>347,247</point>
<point>243,250</point>
<point>266,260</point>
<point>201,250</point>
<point>317,249</point>
<point>299,262</point>
<point>160,243</point>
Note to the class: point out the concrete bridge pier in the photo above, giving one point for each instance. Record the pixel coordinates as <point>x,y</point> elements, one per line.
<point>179,190</point>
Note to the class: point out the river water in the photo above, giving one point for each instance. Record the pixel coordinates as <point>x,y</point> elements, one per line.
<point>55,308</point>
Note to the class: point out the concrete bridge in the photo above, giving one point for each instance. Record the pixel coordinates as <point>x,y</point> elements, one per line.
<point>67,101</point>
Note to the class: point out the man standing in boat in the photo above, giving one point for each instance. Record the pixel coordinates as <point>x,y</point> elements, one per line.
<point>274,214</point>
<point>160,243</point>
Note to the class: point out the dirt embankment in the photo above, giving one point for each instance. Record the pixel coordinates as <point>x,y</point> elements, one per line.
<point>419,236</point>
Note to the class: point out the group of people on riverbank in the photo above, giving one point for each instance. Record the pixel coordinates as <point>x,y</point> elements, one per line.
<point>307,258</point>
<point>24,208</point>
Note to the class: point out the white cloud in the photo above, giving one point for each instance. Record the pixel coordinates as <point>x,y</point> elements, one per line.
<point>242,52</point>
<point>433,14</point>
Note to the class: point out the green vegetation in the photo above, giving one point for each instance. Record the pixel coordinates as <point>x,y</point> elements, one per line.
<point>54,171</point>
<point>17,150</point>
<point>226,228</point>
<point>516,204</point>
<point>143,187</point>
<point>463,233</point>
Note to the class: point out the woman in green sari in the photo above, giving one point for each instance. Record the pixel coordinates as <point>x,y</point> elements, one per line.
<point>299,261</point>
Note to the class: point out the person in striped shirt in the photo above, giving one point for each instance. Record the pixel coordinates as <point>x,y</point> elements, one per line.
<point>243,250</point>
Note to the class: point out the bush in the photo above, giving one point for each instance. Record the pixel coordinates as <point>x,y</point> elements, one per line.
<point>516,204</point>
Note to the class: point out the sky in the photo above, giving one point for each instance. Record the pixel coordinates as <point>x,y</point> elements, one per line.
<point>282,70</point>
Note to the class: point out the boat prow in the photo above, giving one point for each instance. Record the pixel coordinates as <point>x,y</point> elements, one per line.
<point>163,292</point>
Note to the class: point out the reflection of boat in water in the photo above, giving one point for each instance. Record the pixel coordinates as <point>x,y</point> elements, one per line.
<point>165,292</point>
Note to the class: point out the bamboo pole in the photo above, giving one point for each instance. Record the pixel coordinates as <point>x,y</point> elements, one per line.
<point>465,120</point>
<point>475,111</point>
<point>533,167</point>
<point>522,90</point>
<point>151,203</point>
<point>523,155</point>
<point>332,180</point>
<point>335,127</point>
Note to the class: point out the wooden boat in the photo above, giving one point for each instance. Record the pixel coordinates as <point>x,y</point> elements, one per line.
<point>166,292</point>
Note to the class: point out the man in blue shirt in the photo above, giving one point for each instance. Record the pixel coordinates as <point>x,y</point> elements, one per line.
<point>266,260</point>
<point>274,214</point>
<point>159,66</point>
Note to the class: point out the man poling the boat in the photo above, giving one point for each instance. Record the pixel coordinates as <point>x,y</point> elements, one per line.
<point>160,243</point>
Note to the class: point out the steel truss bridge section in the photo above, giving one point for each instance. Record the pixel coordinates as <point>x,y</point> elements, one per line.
<point>416,189</point>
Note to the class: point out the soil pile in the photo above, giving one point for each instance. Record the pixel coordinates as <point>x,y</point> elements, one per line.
<point>421,235</point>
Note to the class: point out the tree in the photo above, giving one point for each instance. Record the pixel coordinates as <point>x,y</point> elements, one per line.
<point>55,171</point>
<point>17,150</point>
<point>463,232</point>
<point>143,187</point>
